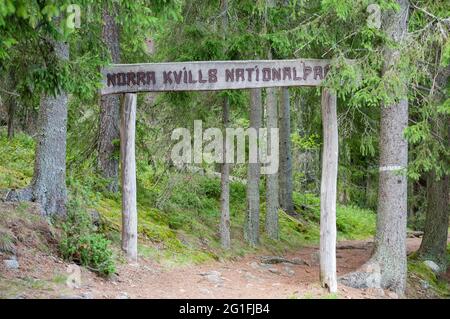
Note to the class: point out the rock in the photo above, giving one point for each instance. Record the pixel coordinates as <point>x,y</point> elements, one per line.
<point>213,277</point>
<point>274,271</point>
<point>87,295</point>
<point>114,278</point>
<point>289,271</point>
<point>255,265</point>
<point>378,292</point>
<point>95,217</point>
<point>315,257</point>
<point>205,291</point>
<point>424,284</point>
<point>392,295</point>
<point>11,264</point>
<point>70,297</point>
<point>212,272</point>
<point>74,278</point>
<point>123,295</point>
<point>249,276</point>
<point>264,266</point>
<point>433,266</point>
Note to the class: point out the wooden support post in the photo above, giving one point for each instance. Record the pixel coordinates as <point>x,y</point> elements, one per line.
<point>128,164</point>
<point>328,192</point>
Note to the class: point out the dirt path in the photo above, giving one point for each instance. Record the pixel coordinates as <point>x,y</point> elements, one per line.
<point>243,278</point>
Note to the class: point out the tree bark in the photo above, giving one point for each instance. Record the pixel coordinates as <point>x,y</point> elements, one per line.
<point>128,164</point>
<point>387,268</point>
<point>108,162</point>
<point>251,227</point>
<point>434,242</point>
<point>12,103</point>
<point>272,203</point>
<point>328,192</point>
<point>285,179</point>
<point>390,240</point>
<point>48,186</point>
<point>225,238</point>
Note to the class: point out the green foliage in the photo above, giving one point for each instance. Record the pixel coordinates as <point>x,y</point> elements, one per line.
<point>178,214</point>
<point>417,269</point>
<point>352,222</point>
<point>81,244</point>
<point>17,156</point>
<point>305,143</point>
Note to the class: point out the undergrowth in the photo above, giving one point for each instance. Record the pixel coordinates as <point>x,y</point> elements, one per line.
<point>81,243</point>
<point>178,213</point>
<point>418,270</point>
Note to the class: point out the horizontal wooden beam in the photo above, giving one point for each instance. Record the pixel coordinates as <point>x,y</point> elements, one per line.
<point>212,75</point>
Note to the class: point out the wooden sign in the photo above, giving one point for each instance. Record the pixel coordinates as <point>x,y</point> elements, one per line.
<point>212,75</point>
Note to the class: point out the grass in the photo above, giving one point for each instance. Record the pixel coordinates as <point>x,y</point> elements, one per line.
<point>417,269</point>
<point>352,222</point>
<point>17,155</point>
<point>178,214</point>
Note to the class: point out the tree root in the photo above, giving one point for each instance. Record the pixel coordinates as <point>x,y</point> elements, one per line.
<point>279,260</point>
<point>368,276</point>
<point>16,195</point>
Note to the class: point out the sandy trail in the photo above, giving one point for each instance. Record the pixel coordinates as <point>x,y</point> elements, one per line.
<point>245,277</point>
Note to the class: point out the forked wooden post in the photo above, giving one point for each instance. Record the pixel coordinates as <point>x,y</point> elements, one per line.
<point>128,176</point>
<point>328,192</point>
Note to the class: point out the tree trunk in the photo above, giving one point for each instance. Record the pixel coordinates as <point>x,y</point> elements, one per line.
<point>225,184</point>
<point>225,239</point>
<point>12,103</point>
<point>390,240</point>
<point>48,186</point>
<point>128,164</point>
<point>251,227</point>
<point>328,192</point>
<point>434,242</point>
<point>272,203</point>
<point>388,266</point>
<point>108,162</point>
<point>285,179</point>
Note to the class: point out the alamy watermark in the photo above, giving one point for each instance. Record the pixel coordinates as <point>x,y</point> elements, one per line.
<point>73,12</point>
<point>374,18</point>
<point>209,145</point>
<point>73,20</point>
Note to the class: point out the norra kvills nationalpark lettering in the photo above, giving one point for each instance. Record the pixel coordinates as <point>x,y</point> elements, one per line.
<point>214,75</point>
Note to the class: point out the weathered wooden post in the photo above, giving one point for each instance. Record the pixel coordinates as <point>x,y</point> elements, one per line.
<point>128,164</point>
<point>328,192</point>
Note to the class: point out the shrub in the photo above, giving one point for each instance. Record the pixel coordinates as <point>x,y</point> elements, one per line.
<point>82,245</point>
